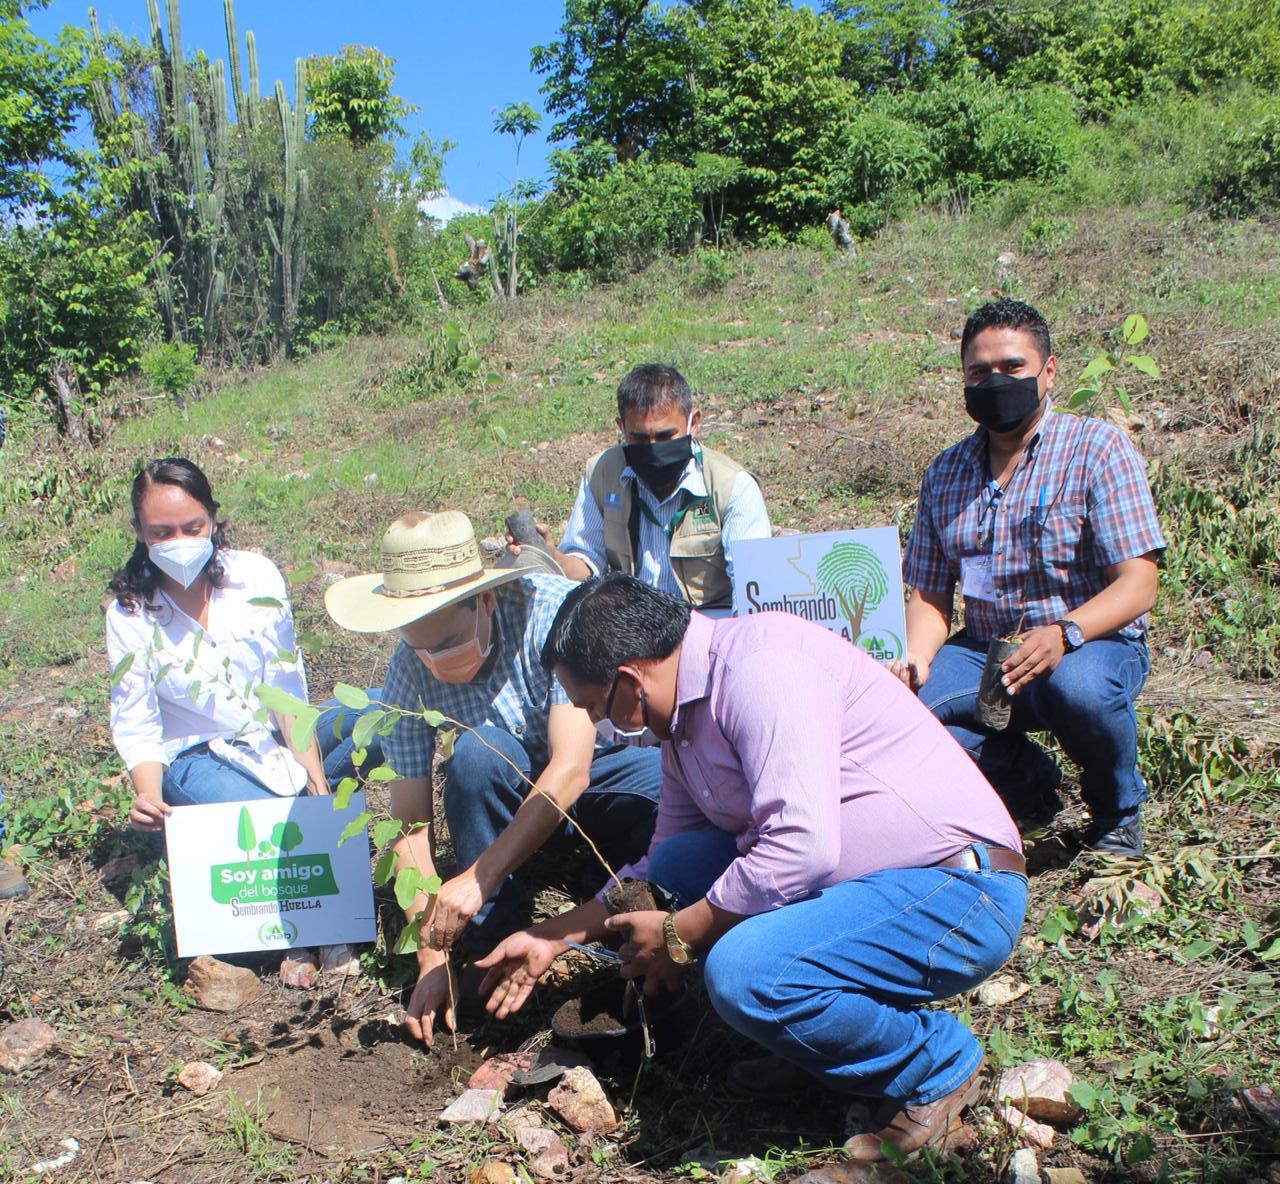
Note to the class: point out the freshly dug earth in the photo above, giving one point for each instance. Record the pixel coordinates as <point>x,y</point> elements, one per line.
<point>633,896</point>
<point>601,1011</point>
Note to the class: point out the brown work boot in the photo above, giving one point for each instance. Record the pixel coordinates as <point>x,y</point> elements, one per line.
<point>908,1128</point>
<point>12,883</point>
<point>767,1077</point>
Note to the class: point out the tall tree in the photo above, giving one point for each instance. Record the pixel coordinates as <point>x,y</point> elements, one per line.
<point>887,44</point>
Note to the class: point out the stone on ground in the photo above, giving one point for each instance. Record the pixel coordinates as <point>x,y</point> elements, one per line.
<point>855,1173</point>
<point>339,960</point>
<point>1038,1134</point>
<point>474,1105</point>
<point>580,1100</point>
<point>300,969</point>
<point>1064,1176</point>
<point>1039,1089</point>
<point>494,1171</point>
<point>548,1156</point>
<point>199,1077</point>
<point>497,1072</point>
<point>219,986</point>
<point>23,1043</point>
<point>1002,989</point>
<point>1023,1168</point>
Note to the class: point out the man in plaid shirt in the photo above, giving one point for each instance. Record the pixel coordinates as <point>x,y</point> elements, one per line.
<point>1047,523</point>
<point>470,647</point>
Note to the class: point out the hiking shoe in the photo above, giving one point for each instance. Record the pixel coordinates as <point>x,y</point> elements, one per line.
<point>1109,837</point>
<point>12,882</point>
<point>908,1128</point>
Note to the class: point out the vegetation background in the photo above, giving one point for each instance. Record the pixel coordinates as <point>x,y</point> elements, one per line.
<point>239,271</point>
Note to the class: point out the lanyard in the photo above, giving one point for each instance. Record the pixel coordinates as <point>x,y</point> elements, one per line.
<point>693,501</point>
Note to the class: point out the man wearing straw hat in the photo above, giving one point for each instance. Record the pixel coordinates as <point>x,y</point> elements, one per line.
<point>470,647</point>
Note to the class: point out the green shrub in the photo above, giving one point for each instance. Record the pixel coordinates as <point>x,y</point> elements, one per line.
<point>171,368</point>
<point>1242,174</point>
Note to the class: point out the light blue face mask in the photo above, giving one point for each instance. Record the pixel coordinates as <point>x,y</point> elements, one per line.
<point>613,734</point>
<point>182,560</point>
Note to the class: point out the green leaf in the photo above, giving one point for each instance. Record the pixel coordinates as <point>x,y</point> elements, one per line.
<point>410,937</point>
<point>193,691</point>
<point>385,868</point>
<point>303,728</point>
<point>121,668</point>
<point>1100,365</point>
<point>433,719</point>
<point>1082,1094</point>
<point>365,728</point>
<point>382,773</point>
<point>1135,329</point>
<point>342,795</point>
<point>500,433</point>
<point>354,827</point>
<point>311,643</point>
<point>432,884</point>
<point>349,696</point>
<point>1144,362</point>
<point>1198,949</point>
<point>265,602</point>
<point>408,885</point>
<point>1122,397</point>
<point>279,701</point>
<point>300,575</point>
<point>1082,396</point>
<point>385,831</point>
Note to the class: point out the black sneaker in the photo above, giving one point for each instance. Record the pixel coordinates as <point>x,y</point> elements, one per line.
<point>1116,838</point>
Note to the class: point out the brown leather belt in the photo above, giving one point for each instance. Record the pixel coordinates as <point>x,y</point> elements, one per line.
<point>1000,859</point>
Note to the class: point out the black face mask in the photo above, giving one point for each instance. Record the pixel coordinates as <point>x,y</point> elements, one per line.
<point>1000,402</point>
<point>660,464</point>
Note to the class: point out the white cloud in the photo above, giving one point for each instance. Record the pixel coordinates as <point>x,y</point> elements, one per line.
<point>444,205</point>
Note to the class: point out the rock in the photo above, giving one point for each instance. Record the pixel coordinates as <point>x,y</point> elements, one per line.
<point>1064,1176</point>
<point>1005,260</point>
<point>855,1173</point>
<point>219,986</point>
<point>1023,1168</point>
<point>340,960</point>
<point>120,868</point>
<point>1039,1090</point>
<point>111,920</point>
<point>1002,989</point>
<point>1261,1102</point>
<point>548,1156</point>
<point>581,1102</point>
<point>23,1043</point>
<point>1038,1134</point>
<point>964,1140</point>
<point>199,1077</point>
<point>70,1149</point>
<point>496,1072</point>
<point>745,1171</point>
<point>493,1171</point>
<point>300,969</point>
<point>474,1105</point>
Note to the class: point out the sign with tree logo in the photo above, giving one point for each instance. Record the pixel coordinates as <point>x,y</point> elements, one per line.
<point>849,581</point>
<point>268,874</point>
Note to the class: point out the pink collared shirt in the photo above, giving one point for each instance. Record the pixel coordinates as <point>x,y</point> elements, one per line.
<point>821,764</point>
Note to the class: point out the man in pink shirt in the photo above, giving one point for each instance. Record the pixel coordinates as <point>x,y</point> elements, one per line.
<point>838,859</point>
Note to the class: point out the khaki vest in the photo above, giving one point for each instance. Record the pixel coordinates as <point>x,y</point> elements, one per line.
<point>697,550</point>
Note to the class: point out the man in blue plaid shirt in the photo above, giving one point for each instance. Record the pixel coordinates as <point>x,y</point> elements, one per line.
<point>1047,523</point>
<point>470,647</point>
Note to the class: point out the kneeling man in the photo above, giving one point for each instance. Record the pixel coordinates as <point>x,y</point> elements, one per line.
<point>838,860</point>
<point>470,647</point>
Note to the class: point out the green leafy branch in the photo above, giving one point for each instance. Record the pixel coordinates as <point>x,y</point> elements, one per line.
<point>1094,377</point>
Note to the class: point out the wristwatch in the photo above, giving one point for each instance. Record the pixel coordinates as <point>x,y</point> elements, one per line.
<point>678,950</point>
<point>1072,638</point>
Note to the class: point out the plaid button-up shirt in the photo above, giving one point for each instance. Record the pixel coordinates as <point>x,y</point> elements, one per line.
<point>515,695</point>
<point>1078,502</point>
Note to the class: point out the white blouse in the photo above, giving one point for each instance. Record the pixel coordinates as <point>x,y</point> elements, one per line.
<point>187,685</point>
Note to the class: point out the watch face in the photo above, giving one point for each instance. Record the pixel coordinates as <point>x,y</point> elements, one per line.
<point>1074,637</point>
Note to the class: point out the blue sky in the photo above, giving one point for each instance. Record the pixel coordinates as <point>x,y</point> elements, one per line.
<point>458,63</point>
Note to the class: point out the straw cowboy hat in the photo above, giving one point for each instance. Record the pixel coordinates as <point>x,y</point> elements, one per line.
<point>429,561</point>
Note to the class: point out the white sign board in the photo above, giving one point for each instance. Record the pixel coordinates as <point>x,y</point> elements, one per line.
<point>849,581</point>
<point>267,875</point>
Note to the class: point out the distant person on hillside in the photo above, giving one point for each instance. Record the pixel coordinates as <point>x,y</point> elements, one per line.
<point>470,640</point>
<point>1047,523</point>
<point>660,506</point>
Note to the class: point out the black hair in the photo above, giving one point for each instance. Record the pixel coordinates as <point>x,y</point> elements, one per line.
<point>652,385</point>
<point>138,580</point>
<point>1007,314</point>
<point>610,621</point>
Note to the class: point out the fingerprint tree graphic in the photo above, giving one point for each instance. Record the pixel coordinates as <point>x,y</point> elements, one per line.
<point>854,575</point>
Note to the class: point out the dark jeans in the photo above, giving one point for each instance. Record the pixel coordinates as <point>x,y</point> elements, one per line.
<point>1087,703</point>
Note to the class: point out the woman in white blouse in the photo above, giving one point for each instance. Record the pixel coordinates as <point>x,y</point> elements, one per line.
<point>193,629</point>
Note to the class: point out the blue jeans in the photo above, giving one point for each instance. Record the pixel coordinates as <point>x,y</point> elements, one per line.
<point>197,776</point>
<point>482,793</point>
<point>836,982</point>
<point>1087,703</point>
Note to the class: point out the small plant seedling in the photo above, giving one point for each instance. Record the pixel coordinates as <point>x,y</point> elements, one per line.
<point>1093,378</point>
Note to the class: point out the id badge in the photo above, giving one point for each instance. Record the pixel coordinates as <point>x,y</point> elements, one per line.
<point>977,578</point>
